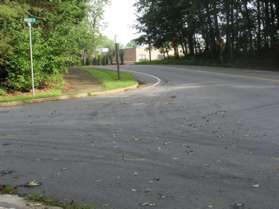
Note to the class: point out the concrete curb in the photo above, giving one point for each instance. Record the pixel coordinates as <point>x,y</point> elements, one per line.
<point>67,97</point>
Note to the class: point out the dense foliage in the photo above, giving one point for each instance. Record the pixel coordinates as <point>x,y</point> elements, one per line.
<point>60,37</point>
<point>220,29</point>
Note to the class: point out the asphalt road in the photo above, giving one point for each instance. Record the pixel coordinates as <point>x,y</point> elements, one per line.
<point>196,138</point>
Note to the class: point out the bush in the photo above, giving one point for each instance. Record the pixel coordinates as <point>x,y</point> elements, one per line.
<point>58,37</point>
<point>54,81</point>
<point>2,92</point>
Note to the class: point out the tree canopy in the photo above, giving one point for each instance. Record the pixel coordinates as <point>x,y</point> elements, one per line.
<point>223,29</point>
<point>60,36</point>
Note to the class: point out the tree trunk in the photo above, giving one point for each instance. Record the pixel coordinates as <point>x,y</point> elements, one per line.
<point>231,30</point>
<point>211,32</point>
<point>183,46</point>
<point>228,30</point>
<point>149,51</point>
<point>237,47</point>
<point>272,24</point>
<point>217,37</point>
<point>207,40</point>
<point>277,13</point>
<point>167,51</point>
<point>186,47</point>
<point>216,22</point>
<point>266,24</point>
<point>84,57</point>
<point>191,44</point>
<point>249,27</point>
<point>259,31</point>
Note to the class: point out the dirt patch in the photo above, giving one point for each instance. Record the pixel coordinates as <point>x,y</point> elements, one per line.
<point>13,201</point>
<point>79,81</point>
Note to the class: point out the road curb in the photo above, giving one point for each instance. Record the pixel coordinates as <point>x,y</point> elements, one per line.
<point>67,97</point>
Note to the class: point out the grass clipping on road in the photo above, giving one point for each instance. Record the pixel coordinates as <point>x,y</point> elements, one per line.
<point>108,78</point>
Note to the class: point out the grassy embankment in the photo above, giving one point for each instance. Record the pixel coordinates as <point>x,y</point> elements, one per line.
<point>54,90</point>
<point>107,78</point>
<point>28,97</point>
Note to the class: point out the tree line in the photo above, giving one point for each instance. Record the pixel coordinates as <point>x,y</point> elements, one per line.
<point>217,29</point>
<point>65,31</point>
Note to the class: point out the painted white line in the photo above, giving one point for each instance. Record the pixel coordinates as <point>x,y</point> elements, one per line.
<point>158,80</point>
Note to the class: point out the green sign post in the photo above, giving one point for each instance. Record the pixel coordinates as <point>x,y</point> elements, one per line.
<point>30,21</point>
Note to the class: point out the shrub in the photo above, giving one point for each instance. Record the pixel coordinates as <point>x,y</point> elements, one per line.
<point>58,37</point>
<point>2,92</point>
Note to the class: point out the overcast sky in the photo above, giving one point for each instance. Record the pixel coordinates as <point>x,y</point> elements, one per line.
<point>120,17</point>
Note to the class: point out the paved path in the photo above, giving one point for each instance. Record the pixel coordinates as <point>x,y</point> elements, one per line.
<point>79,81</point>
<point>202,138</point>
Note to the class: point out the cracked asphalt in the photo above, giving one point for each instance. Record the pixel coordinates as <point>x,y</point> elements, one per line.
<point>203,138</point>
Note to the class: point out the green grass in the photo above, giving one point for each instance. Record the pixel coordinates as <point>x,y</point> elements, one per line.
<point>55,85</point>
<point>2,91</point>
<point>7,189</point>
<point>35,197</point>
<point>108,78</point>
<point>29,98</point>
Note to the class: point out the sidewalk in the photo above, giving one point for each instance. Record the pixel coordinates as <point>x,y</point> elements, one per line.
<point>79,81</point>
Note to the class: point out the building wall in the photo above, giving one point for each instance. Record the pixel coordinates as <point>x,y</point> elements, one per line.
<point>143,54</point>
<point>130,55</point>
<point>133,55</point>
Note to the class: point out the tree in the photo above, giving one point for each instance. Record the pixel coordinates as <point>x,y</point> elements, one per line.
<point>61,35</point>
<point>218,29</point>
<point>131,44</point>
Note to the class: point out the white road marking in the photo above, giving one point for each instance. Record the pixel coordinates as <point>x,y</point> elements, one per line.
<point>148,75</point>
<point>158,80</point>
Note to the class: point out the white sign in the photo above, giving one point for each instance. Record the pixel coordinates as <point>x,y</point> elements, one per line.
<point>103,50</point>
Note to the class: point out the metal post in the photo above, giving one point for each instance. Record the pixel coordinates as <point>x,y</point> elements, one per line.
<point>117,60</point>
<point>31,58</point>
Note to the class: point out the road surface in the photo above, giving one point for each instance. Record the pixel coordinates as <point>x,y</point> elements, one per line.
<point>196,138</point>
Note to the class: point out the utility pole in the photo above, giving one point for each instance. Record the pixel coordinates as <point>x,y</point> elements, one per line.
<point>117,58</point>
<point>30,21</point>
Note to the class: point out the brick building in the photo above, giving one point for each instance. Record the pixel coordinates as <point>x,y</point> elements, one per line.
<point>133,55</point>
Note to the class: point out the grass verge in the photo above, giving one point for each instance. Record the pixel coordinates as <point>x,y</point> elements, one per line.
<point>54,87</point>
<point>35,197</point>
<point>28,97</point>
<point>7,189</point>
<point>108,78</point>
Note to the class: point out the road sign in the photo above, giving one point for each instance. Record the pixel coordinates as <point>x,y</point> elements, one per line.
<point>103,50</point>
<point>30,20</point>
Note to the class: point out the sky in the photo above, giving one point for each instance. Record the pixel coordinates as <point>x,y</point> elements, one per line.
<point>119,17</point>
